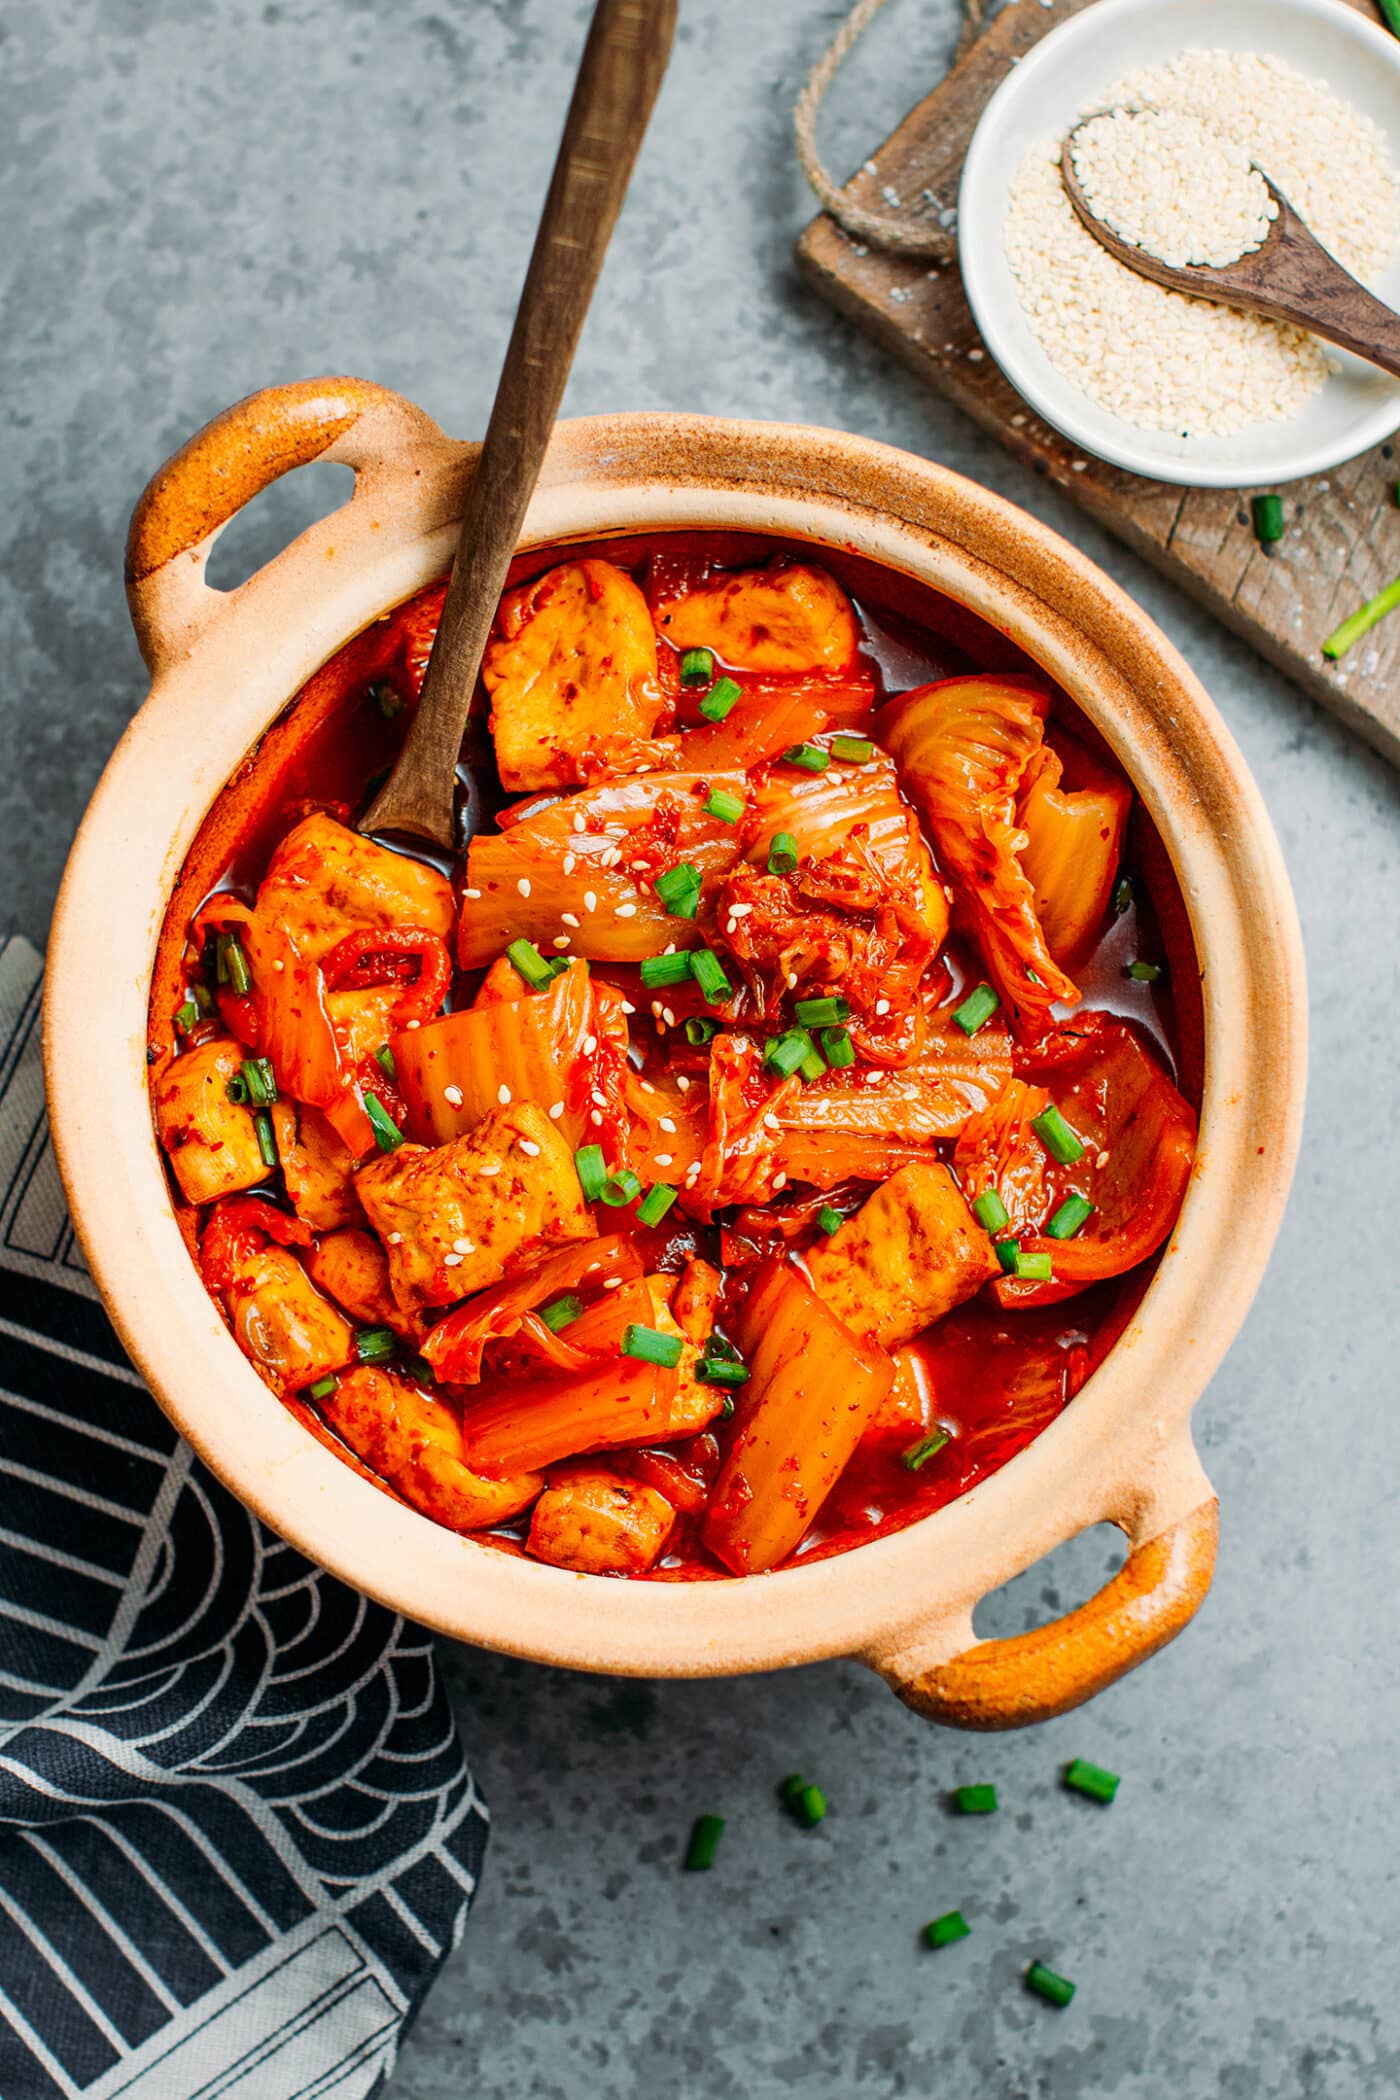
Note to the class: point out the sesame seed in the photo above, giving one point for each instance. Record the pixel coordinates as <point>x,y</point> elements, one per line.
<point>473,894</point>
<point>580,823</point>
<point>570,863</point>
<point>556,1112</point>
<point>595,1115</point>
<point>569,918</point>
<point>524,885</point>
<point>627,911</point>
<point>463,1247</point>
<point>453,1096</point>
<point>277,963</point>
<point>639,864</point>
<point>740,911</point>
<point>503,1095</point>
<point>561,940</point>
<point>599,1099</point>
<point>452,1261</point>
<point>663,1159</point>
<point>792,980</point>
<point>529,1148</point>
<point>647,1087</point>
<point>490,1168</point>
<point>628,1007</point>
<point>692,1173</point>
<point>395,1239</point>
<point>590,900</point>
<point>770,1121</point>
<point>780,1181</point>
<point>683,1083</point>
<point>668,1017</point>
<point>610,1283</point>
<point>413,1024</point>
<point>882,1006</point>
<point>665,1123</point>
<point>1102,1161</point>
<point>590,1044</point>
<point>872,1079</point>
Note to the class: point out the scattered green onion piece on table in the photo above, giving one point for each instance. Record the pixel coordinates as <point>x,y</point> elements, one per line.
<point>1008,1253</point>
<point>1143,972</point>
<point>1046,1984</point>
<point>260,1081</point>
<point>386,700</point>
<point>810,757</point>
<point>975,1800</point>
<point>977,1009</point>
<point>1361,621</point>
<point>989,1210</point>
<point>679,890</point>
<point>1057,1137</point>
<point>708,972</point>
<point>1093,1780</point>
<point>817,1013</point>
<point>809,1806</point>
<point>697,666</point>
<point>384,1058</point>
<point>562,1311</point>
<point>526,958</point>
<point>1072,1215</point>
<point>856,750</point>
<point>837,1048</point>
<point>592,1172</point>
<point>720,803</point>
<point>658,971</point>
<point>322,1389</point>
<point>651,1347</point>
<point>375,1345</point>
<point>829,1220</point>
<point>1123,894</point>
<point>941,1932</point>
<point>387,1134</point>
<point>187,1017</point>
<point>782,853</point>
<point>704,1843</point>
<point>700,1028</point>
<point>1267,512</point>
<point>656,1202</point>
<point>621,1188</point>
<point>720,699</point>
<point>927,1447</point>
<point>1033,1268</point>
<point>719,1370</point>
<point>267,1138</point>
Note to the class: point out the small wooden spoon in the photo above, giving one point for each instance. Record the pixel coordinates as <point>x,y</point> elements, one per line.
<point>618,78</point>
<point>1289,277</point>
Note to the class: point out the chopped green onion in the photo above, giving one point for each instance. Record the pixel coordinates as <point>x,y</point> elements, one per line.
<point>418,1367</point>
<point>231,964</point>
<point>977,1009</point>
<point>1008,1253</point>
<point>813,1064</point>
<point>375,1345</point>
<point>237,1089</point>
<point>782,853</point>
<point>1057,1137</point>
<point>927,1447</point>
<point>562,1311</point>
<point>386,700</point>
<point>659,971</point>
<point>187,1017</point>
<point>975,1800</point>
<point>718,1346</point>
<point>1361,621</point>
<point>384,1058</point>
<point>651,1347</point>
<point>708,972</point>
<point>204,998</point>
<point>837,1048</point>
<point>699,1028</point>
<point>387,1134</point>
<point>260,1081</point>
<point>720,699</point>
<point>526,958</point>
<point>678,886</point>
<point>785,1053</point>
<point>816,1013</point>
<point>1143,972</point>
<point>1089,1779</point>
<point>857,749</point>
<point>1123,894</point>
<point>720,803</point>
<point>656,1202</point>
<point>941,1932</point>
<point>720,1370</point>
<point>267,1138</point>
<point>810,757</point>
<point>697,666</point>
<point>989,1210</point>
<point>1074,1212</point>
<point>621,1188</point>
<point>704,1843</point>
<point>1267,513</point>
<point>809,1806</point>
<point>1032,1268</point>
<point>322,1389</point>
<point>1046,1984</point>
<point>829,1219</point>
<point>592,1172</point>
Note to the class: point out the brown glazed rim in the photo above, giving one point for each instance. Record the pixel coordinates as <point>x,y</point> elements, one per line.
<point>224,664</point>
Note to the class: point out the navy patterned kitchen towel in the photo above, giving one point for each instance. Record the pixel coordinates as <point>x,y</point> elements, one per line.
<point>237,1833</point>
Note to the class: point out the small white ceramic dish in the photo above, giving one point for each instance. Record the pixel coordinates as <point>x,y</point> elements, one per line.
<point>1067,74</point>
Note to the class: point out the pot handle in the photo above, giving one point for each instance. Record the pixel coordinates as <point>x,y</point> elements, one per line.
<point>1034,1676</point>
<point>189,500</point>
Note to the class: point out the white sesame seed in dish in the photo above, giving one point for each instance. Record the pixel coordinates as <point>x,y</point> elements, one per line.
<point>664,1159</point>
<point>569,918</point>
<point>580,822</point>
<point>452,1095</point>
<point>529,1148</point>
<point>590,1044</point>
<point>556,1112</point>
<point>503,1095</point>
<point>452,1261</point>
<point>523,885</point>
<point>627,911</point>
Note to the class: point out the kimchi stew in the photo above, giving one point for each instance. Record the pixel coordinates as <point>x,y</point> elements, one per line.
<point>762,1128</point>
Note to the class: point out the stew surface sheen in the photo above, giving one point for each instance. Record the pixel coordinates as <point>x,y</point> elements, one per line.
<point>756,1136</point>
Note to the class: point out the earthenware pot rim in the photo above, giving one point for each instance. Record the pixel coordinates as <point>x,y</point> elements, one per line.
<point>224,666</point>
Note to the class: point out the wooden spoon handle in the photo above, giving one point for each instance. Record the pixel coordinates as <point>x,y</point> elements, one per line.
<point>619,75</point>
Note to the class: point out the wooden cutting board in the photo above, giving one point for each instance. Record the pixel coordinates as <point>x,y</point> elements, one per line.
<point>1343,538</point>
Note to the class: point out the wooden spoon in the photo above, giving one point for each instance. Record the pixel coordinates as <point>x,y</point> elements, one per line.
<point>618,77</point>
<point>1289,277</point>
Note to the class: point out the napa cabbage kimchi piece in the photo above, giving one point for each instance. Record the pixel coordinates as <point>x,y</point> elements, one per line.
<point>759,1131</point>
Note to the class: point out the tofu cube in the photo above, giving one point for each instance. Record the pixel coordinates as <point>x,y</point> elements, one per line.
<point>211,1141</point>
<point>600,1523</point>
<point>907,1257</point>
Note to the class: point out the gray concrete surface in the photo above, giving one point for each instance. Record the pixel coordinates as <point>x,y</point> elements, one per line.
<point>198,201</point>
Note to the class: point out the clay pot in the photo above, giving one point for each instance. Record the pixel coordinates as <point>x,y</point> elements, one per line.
<point>223,665</point>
